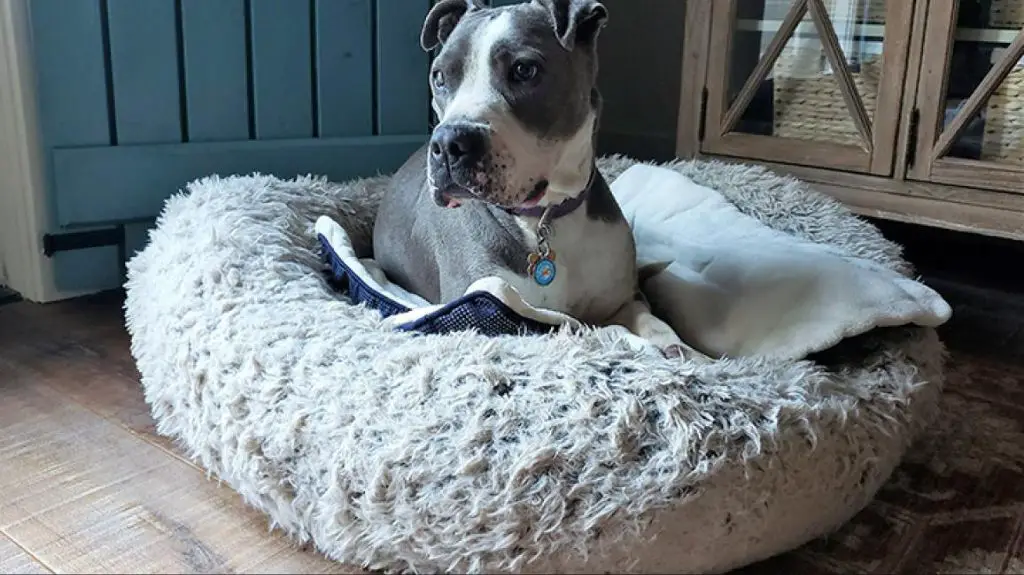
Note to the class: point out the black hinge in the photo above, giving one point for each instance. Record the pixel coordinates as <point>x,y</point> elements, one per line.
<point>53,243</point>
<point>703,114</point>
<point>915,120</point>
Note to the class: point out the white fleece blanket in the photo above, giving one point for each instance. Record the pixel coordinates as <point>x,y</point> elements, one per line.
<point>729,285</point>
<point>732,286</point>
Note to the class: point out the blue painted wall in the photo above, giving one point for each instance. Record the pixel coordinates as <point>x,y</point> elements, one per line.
<point>138,97</point>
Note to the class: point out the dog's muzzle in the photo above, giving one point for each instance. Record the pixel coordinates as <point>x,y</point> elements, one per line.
<point>457,161</point>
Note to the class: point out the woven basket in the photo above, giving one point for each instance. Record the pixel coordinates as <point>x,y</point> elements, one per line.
<point>809,104</point>
<point>866,11</point>
<point>1004,121</point>
<point>1007,14</point>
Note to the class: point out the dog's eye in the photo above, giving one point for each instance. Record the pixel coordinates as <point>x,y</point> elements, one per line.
<point>437,77</point>
<point>524,71</point>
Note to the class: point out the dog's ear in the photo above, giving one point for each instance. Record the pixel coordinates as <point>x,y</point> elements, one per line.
<point>442,19</point>
<point>577,22</point>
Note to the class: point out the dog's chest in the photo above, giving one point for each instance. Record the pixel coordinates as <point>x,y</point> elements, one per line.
<point>595,268</point>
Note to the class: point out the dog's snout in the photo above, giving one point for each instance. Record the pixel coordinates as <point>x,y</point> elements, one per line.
<point>459,146</point>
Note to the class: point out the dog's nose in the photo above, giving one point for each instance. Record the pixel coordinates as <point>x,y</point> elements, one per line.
<point>459,146</point>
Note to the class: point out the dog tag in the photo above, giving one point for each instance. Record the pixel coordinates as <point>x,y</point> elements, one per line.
<point>542,268</point>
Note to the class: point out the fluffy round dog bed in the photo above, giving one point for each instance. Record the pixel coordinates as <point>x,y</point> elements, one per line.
<point>470,453</point>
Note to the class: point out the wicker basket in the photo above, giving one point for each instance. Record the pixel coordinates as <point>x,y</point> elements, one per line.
<point>866,11</point>
<point>1004,121</point>
<point>1007,14</point>
<point>809,103</point>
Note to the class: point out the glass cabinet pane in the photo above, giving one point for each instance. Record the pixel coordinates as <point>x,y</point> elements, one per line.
<point>982,41</point>
<point>801,95</point>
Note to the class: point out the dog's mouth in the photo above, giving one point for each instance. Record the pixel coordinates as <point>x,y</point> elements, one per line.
<point>449,193</point>
<point>453,201</point>
<point>536,195</point>
<point>452,196</point>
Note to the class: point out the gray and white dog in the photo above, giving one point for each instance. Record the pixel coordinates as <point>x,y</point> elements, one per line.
<point>507,185</point>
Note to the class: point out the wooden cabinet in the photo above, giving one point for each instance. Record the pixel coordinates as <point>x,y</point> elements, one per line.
<point>904,109</point>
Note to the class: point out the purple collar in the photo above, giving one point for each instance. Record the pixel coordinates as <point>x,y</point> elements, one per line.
<point>559,210</point>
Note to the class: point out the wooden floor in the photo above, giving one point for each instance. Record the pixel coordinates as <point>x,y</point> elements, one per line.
<point>86,485</point>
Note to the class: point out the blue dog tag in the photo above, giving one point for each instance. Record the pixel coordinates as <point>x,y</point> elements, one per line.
<point>543,271</point>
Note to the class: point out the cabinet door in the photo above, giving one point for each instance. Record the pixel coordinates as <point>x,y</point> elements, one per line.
<point>971,96</point>
<point>810,82</point>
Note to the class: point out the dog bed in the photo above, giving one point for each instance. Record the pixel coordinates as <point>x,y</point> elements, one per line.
<point>571,451</point>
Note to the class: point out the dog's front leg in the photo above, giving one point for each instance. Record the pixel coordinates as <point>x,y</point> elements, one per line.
<point>636,316</point>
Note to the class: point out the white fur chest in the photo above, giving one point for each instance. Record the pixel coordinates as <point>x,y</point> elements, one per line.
<point>595,267</point>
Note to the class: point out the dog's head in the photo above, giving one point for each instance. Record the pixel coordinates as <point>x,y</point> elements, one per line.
<point>515,91</point>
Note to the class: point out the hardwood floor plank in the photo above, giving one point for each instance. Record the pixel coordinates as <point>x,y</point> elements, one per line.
<point>13,559</point>
<point>83,493</point>
<point>97,371</point>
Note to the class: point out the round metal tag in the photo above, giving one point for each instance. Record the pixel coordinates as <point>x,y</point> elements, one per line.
<point>544,272</point>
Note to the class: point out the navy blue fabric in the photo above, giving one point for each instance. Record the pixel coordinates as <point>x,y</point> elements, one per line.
<point>479,311</point>
<point>357,290</point>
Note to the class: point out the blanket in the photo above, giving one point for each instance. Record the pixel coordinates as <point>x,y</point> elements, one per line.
<point>490,305</point>
<point>729,285</point>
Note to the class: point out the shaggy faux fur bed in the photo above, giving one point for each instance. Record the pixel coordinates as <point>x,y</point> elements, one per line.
<point>467,453</point>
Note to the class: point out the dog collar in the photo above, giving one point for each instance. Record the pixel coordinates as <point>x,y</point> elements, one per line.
<point>559,210</point>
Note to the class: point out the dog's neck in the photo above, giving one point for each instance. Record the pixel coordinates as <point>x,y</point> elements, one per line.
<point>571,180</point>
<point>563,208</point>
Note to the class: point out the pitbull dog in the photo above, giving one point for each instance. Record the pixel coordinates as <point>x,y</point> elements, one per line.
<point>508,180</point>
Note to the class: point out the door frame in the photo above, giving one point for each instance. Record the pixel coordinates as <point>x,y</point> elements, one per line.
<point>23,201</point>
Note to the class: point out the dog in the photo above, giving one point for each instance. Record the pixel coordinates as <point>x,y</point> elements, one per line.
<point>507,185</point>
